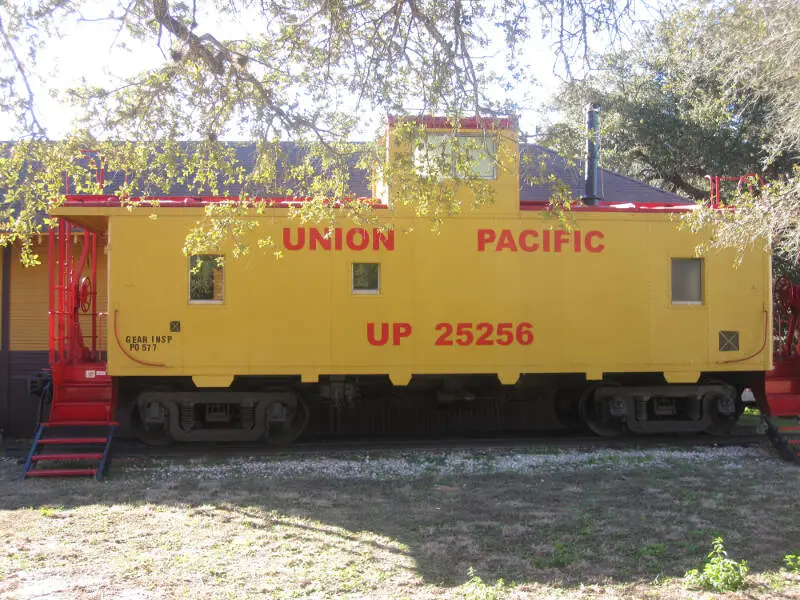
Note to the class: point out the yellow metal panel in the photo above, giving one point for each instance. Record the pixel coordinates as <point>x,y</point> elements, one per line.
<point>596,301</point>
<point>496,291</point>
<point>212,381</point>
<point>681,376</point>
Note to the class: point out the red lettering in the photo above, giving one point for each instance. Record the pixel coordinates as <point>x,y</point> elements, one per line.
<point>379,238</point>
<point>485,236</point>
<point>562,237</point>
<point>315,236</point>
<point>351,239</point>
<point>528,233</point>
<point>506,241</point>
<point>446,330</point>
<point>524,334</point>
<point>505,335</point>
<point>546,240</point>
<point>481,334</point>
<point>590,245</point>
<point>401,330</point>
<point>287,239</point>
<point>378,341</point>
<point>485,331</point>
<point>337,238</point>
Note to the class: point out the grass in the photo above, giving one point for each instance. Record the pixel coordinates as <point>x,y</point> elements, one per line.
<point>621,524</point>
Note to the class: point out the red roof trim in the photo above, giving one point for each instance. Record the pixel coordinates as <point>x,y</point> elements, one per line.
<point>81,200</point>
<point>615,207</point>
<point>78,200</point>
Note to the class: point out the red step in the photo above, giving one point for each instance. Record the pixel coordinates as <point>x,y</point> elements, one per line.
<point>783,405</point>
<point>71,441</point>
<point>784,428</point>
<point>80,424</point>
<point>59,472</point>
<point>782,385</point>
<point>79,456</point>
<point>81,411</point>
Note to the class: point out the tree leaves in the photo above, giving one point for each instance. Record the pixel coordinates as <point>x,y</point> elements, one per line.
<point>306,71</point>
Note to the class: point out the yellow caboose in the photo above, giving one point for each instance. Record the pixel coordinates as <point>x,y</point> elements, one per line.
<point>615,323</point>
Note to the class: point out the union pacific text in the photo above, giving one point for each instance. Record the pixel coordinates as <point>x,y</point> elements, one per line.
<point>532,240</point>
<point>355,238</point>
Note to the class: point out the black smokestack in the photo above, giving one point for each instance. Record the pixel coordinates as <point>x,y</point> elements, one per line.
<point>591,195</point>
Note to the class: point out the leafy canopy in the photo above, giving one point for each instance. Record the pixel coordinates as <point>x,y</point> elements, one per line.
<point>270,70</point>
<point>712,89</point>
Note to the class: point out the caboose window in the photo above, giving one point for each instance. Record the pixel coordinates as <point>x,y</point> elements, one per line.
<point>446,156</point>
<point>366,278</point>
<point>206,281</point>
<point>687,280</point>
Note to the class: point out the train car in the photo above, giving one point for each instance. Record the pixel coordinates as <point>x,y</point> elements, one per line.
<point>24,300</point>
<point>616,323</point>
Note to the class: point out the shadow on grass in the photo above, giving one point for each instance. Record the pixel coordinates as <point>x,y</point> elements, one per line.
<point>598,526</point>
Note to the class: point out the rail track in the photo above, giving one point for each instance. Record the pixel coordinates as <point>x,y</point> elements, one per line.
<point>742,436</point>
<point>133,450</point>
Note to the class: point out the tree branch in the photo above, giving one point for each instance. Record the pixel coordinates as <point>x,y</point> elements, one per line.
<point>38,130</point>
<point>215,63</point>
<point>680,183</point>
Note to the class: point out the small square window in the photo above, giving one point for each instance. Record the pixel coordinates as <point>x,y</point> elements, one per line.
<point>366,278</point>
<point>206,278</point>
<point>687,280</point>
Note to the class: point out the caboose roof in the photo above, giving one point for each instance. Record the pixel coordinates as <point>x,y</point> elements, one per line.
<point>614,187</point>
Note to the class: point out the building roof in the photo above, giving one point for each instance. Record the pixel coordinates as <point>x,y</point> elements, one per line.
<point>613,187</point>
<point>536,161</point>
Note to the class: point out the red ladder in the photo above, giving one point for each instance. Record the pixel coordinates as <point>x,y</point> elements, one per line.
<point>83,393</point>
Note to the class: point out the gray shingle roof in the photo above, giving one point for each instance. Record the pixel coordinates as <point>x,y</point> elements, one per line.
<point>613,186</point>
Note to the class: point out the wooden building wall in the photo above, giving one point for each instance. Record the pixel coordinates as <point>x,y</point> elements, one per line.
<point>24,333</point>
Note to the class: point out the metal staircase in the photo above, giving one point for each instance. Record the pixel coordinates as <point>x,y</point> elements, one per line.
<point>83,396</point>
<point>86,453</point>
<point>786,440</point>
<point>782,384</point>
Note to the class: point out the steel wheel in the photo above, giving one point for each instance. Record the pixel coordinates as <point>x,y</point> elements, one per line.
<point>154,434</point>
<point>285,422</point>
<point>567,408</point>
<point>596,414</point>
<point>723,423</point>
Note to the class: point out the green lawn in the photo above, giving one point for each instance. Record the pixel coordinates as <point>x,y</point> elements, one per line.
<point>605,524</point>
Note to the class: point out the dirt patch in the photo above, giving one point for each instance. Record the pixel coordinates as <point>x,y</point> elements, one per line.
<point>610,524</point>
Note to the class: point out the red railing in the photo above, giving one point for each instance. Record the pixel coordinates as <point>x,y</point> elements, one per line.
<point>82,388</point>
<point>72,296</point>
<point>715,185</point>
